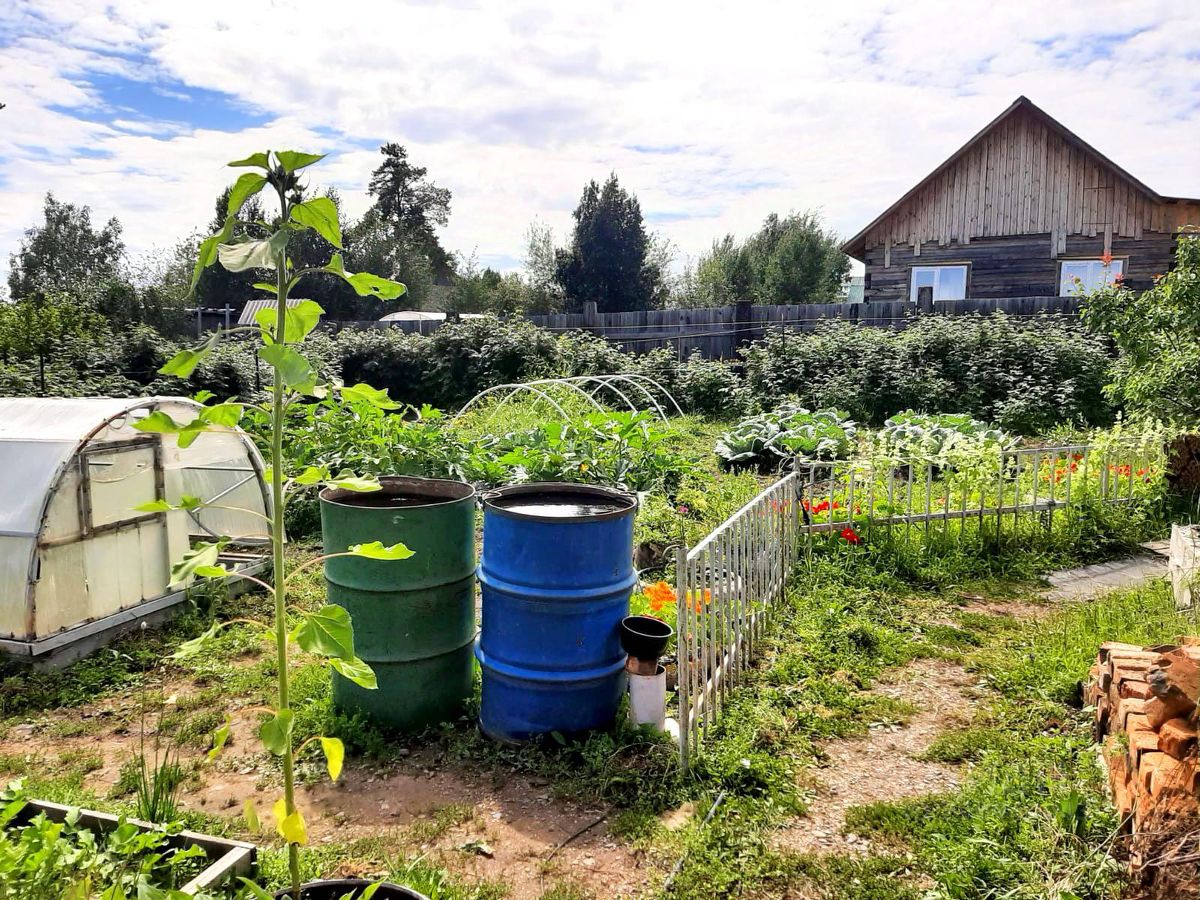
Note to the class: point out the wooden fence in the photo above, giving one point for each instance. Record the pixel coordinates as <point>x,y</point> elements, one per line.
<point>717,332</point>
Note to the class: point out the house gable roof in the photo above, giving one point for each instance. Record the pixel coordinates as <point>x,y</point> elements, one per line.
<point>856,245</point>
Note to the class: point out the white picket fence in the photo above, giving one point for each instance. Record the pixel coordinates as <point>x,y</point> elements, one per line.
<point>727,584</point>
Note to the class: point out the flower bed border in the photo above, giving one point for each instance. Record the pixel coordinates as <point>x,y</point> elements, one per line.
<point>227,857</point>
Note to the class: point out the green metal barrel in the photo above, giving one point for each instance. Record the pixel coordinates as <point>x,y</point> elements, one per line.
<point>414,619</point>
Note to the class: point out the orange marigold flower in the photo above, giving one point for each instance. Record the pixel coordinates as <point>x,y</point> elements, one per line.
<point>661,595</point>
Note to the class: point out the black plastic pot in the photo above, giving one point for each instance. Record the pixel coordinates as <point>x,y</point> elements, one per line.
<point>336,888</point>
<point>645,637</point>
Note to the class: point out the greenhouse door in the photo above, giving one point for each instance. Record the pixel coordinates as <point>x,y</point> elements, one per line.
<point>131,545</point>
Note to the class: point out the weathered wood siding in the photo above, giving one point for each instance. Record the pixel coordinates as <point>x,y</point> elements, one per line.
<point>1024,177</point>
<point>1015,266</point>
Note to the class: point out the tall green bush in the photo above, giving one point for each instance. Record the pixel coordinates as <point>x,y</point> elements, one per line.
<point>1024,376</point>
<point>1157,374</point>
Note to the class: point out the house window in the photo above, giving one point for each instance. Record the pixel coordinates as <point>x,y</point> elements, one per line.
<point>1082,276</point>
<point>945,282</point>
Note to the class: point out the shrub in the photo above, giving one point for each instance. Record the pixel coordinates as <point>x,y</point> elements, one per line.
<point>1024,376</point>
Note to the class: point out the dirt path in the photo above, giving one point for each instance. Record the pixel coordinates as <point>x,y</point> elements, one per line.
<point>884,765</point>
<point>478,825</point>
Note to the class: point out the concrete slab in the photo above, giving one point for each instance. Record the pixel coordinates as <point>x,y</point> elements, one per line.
<point>1088,581</point>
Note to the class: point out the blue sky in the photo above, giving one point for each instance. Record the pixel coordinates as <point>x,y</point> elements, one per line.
<point>716,114</point>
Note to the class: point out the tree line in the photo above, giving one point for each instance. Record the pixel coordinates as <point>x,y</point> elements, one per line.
<point>71,275</point>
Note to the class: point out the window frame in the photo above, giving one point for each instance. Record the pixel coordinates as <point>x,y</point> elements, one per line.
<point>948,264</point>
<point>1058,281</point>
<point>87,527</point>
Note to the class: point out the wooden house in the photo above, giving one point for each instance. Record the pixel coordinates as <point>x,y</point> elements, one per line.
<point>1024,209</point>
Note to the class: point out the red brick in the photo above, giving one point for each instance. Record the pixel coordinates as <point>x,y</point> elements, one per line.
<point>1177,737</point>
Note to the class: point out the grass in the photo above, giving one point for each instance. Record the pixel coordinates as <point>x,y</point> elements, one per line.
<point>1031,818</point>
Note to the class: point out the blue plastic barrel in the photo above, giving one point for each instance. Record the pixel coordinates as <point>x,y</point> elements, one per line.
<point>556,576</point>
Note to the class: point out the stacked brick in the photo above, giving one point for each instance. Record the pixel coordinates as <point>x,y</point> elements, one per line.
<point>1145,700</point>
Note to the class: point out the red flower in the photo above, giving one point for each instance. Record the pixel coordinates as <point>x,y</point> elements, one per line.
<point>1106,260</point>
<point>850,536</point>
<point>1118,278</point>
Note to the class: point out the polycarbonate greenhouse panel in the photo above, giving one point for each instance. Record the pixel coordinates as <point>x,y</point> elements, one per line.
<point>74,550</point>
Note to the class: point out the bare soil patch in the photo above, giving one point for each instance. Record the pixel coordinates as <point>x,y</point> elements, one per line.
<point>498,828</point>
<point>884,765</point>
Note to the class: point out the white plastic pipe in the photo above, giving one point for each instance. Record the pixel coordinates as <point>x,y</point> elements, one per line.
<point>648,699</point>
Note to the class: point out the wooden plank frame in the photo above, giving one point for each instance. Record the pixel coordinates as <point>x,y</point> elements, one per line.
<point>227,858</point>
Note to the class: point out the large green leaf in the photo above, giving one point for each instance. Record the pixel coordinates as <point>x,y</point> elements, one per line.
<point>348,481</point>
<point>293,160</point>
<point>367,285</point>
<point>184,363</point>
<point>364,393</point>
<point>290,826</point>
<point>295,371</point>
<point>207,254</point>
<point>376,550</point>
<point>357,671</point>
<point>312,475</point>
<point>157,422</point>
<point>187,501</point>
<point>246,255</point>
<point>202,554</point>
<point>299,319</point>
<point>276,732</point>
<point>259,893</point>
<point>243,189</point>
<point>326,632</point>
<point>254,159</point>
<point>364,283</point>
<point>196,645</point>
<point>225,414</point>
<point>321,215</point>
<point>335,755</point>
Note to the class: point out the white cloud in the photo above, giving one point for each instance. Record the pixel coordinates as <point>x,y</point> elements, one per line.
<point>714,113</point>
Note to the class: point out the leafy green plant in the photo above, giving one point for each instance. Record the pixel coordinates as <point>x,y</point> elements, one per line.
<point>1157,331</point>
<point>43,858</point>
<point>628,450</point>
<point>909,436</point>
<point>787,432</point>
<point>279,330</point>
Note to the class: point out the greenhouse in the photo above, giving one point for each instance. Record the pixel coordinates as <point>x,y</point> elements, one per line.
<point>78,562</point>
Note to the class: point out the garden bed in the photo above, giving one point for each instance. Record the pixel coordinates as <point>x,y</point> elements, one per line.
<point>129,853</point>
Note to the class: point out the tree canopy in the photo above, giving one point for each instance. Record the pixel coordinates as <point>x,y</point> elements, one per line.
<point>793,259</point>
<point>65,251</point>
<point>609,260</point>
<point>1157,374</point>
<point>412,205</point>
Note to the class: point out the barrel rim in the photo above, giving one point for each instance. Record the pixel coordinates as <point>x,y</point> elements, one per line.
<point>445,491</point>
<point>630,501</point>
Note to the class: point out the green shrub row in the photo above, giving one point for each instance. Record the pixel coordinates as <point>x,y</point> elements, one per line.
<point>1025,376</point>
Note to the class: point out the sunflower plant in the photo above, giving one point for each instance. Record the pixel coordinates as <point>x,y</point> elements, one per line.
<point>280,330</point>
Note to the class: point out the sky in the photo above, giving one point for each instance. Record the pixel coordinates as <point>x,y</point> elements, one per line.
<point>714,114</point>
